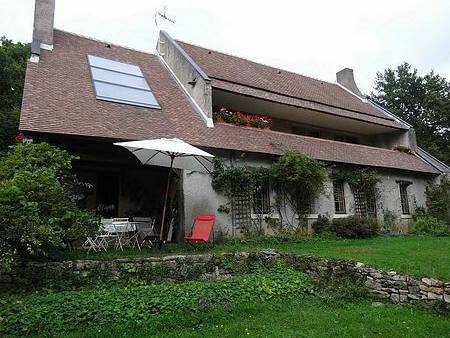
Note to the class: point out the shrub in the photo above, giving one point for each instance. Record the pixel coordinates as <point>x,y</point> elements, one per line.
<point>322,225</point>
<point>354,227</point>
<point>428,225</point>
<point>419,212</point>
<point>389,221</point>
<point>37,212</point>
<point>438,199</point>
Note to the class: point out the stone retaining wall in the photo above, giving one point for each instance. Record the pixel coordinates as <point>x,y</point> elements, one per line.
<point>400,288</point>
<point>389,285</point>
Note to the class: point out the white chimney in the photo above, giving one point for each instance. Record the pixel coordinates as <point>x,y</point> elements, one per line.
<point>345,78</point>
<point>44,15</point>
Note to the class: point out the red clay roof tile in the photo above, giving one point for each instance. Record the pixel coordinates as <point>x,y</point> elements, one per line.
<point>279,85</point>
<point>59,98</point>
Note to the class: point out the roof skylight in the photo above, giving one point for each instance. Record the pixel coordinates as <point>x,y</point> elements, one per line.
<point>120,82</point>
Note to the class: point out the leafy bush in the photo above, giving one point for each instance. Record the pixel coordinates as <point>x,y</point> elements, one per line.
<point>419,212</point>
<point>348,227</point>
<point>389,221</point>
<point>322,225</point>
<point>299,179</point>
<point>438,200</point>
<point>355,227</point>
<point>40,313</point>
<point>37,212</point>
<point>428,225</point>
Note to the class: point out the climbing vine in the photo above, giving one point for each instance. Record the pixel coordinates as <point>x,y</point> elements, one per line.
<point>232,180</point>
<point>362,182</point>
<point>297,179</point>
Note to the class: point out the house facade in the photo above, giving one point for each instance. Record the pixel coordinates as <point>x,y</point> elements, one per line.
<point>83,94</point>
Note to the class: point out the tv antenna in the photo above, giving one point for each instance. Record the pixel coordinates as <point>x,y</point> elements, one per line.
<point>162,16</point>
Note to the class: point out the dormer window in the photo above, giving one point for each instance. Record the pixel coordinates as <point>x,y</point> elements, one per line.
<point>120,82</point>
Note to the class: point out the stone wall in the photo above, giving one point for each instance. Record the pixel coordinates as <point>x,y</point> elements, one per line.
<point>390,285</point>
<point>400,288</point>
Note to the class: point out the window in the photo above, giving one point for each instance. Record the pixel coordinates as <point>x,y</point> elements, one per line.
<point>404,198</point>
<point>120,82</point>
<point>365,204</point>
<point>261,199</point>
<point>339,198</point>
<point>352,139</point>
<point>371,205</point>
<point>304,131</point>
<point>346,138</point>
<point>313,133</point>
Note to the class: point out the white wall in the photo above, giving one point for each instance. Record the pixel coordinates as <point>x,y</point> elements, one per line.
<point>200,197</point>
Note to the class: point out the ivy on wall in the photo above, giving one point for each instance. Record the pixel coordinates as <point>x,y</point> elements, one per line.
<point>231,180</point>
<point>297,180</point>
<point>362,182</point>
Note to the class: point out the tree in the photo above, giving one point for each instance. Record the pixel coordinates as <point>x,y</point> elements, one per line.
<point>13,63</point>
<point>37,211</point>
<point>422,101</point>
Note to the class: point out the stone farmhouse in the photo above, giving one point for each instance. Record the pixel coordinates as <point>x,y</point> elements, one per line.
<point>84,94</point>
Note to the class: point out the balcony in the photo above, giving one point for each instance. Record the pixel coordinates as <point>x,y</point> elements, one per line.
<point>239,118</point>
<point>342,126</point>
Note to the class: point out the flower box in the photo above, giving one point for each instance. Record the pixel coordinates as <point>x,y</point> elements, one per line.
<point>237,118</point>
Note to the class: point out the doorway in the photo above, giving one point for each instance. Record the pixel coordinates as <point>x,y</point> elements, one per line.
<point>108,195</point>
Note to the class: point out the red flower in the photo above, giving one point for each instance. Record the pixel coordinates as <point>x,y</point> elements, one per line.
<point>19,138</point>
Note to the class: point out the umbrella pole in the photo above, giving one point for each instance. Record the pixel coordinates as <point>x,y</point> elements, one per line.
<point>161,235</point>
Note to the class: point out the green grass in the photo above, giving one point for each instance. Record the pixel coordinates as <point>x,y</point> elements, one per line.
<point>239,310</point>
<point>49,312</point>
<point>271,303</point>
<point>416,255</point>
<point>301,317</point>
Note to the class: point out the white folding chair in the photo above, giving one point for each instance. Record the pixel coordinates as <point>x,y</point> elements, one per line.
<point>121,228</point>
<point>89,244</point>
<point>106,233</point>
<point>100,241</point>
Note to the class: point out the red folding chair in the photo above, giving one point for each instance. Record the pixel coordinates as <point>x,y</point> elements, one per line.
<point>202,229</point>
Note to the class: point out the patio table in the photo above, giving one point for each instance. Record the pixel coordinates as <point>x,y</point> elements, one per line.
<point>146,232</point>
<point>120,229</point>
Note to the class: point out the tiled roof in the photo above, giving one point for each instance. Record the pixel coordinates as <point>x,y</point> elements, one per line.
<point>262,94</point>
<point>59,98</point>
<point>272,142</point>
<point>255,79</point>
<point>59,95</point>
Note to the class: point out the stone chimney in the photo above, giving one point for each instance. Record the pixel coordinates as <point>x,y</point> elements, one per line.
<point>345,79</point>
<point>44,14</point>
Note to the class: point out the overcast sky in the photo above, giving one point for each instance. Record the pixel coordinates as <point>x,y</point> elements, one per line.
<point>314,38</point>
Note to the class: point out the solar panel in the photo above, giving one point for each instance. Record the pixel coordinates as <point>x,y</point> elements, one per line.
<point>120,82</point>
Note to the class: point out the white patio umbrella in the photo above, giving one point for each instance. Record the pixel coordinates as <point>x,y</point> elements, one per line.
<point>163,152</point>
